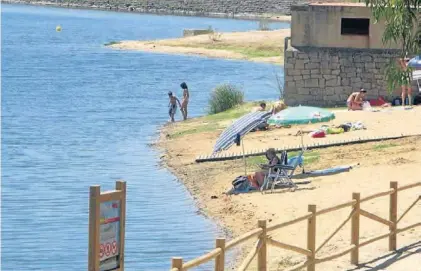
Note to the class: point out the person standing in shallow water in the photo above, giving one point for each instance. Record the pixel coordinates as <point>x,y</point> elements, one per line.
<point>172,105</point>
<point>185,101</point>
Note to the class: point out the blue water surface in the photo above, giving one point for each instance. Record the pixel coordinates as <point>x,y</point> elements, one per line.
<point>75,114</point>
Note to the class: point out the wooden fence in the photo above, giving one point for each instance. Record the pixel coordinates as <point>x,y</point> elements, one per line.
<point>263,239</point>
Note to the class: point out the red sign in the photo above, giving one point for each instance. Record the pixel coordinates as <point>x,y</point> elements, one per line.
<point>114,248</point>
<point>108,249</point>
<point>101,251</point>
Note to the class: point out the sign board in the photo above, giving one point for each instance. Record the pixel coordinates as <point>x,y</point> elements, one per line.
<point>106,228</point>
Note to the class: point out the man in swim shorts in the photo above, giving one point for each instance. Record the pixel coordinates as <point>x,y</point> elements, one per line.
<point>405,81</point>
<point>172,105</point>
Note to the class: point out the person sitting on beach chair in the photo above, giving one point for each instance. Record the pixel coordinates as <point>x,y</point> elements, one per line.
<point>281,174</point>
<point>273,160</point>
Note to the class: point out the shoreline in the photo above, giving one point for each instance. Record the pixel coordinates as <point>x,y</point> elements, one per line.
<point>256,46</point>
<point>162,12</point>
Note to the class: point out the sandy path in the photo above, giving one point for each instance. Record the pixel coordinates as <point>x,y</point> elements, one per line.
<point>399,161</point>
<point>229,46</point>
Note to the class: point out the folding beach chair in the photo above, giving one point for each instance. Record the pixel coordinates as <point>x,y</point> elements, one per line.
<point>280,175</point>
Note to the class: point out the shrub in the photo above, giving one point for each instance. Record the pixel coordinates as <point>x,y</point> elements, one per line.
<point>225,97</point>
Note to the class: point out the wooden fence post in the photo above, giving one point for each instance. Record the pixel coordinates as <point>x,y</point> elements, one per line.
<point>355,229</point>
<point>393,215</point>
<point>94,227</point>
<point>220,259</point>
<point>177,262</point>
<point>311,238</point>
<point>262,255</point>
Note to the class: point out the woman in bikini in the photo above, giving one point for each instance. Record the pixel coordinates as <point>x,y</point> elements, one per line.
<point>405,81</point>
<point>355,100</point>
<point>185,101</point>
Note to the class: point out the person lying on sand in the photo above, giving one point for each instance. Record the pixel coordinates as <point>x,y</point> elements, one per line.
<point>278,107</point>
<point>355,100</point>
<point>263,126</point>
<point>172,105</point>
<point>261,107</point>
<point>273,159</point>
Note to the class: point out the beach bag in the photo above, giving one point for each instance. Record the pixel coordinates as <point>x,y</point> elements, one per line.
<point>241,184</point>
<point>334,131</point>
<point>417,99</point>
<point>397,101</point>
<point>318,134</point>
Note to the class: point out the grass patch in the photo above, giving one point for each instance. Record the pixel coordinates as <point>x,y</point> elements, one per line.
<point>212,122</point>
<point>380,147</point>
<point>199,129</point>
<point>111,43</point>
<point>231,114</point>
<point>250,52</point>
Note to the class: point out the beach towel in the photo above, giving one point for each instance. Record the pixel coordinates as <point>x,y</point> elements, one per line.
<point>329,171</point>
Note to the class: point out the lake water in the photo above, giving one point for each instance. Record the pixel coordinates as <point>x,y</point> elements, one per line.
<point>75,114</point>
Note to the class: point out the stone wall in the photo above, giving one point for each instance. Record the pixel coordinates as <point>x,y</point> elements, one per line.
<point>182,7</point>
<point>219,8</point>
<point>326,77</point>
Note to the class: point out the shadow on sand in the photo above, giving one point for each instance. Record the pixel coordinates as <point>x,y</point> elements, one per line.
<point>383,262</point>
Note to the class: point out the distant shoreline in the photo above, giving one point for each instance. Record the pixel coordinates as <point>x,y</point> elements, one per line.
<point>255,46</point>
<point>238,16</point>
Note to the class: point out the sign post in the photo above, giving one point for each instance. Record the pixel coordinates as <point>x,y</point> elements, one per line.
<point>107,221</point>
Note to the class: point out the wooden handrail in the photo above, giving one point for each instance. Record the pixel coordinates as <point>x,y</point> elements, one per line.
<point>377,195</point>
<point>408,209</point>
<point>253,252</point>
<point>336,231</point>
<point>336,255</point>
<point>264,239</point>
<point>409,186</point>
<point>299,266</point>
<point>289,247</point>
<point>335,208</point>
<point>382,236</point>
<point>408,227</point>
<point>377,238</point>
<point>202,259</point>
<point>243,238</point>
<point>284,224</point>
<point>375,218</point>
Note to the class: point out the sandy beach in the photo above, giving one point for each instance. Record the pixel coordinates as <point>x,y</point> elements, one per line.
<point>379,163</point>
<point>259,46</point>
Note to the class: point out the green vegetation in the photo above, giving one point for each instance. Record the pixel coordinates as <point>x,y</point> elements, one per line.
<point>383,146</point>
<point>111,43</point>
<point>198,129</point>
<point>250,52</point>
<point>212,122</point>
<point>225,97</point>
<point>402,27</point>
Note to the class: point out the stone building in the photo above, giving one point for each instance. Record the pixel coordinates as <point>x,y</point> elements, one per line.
<point>335,49</point>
